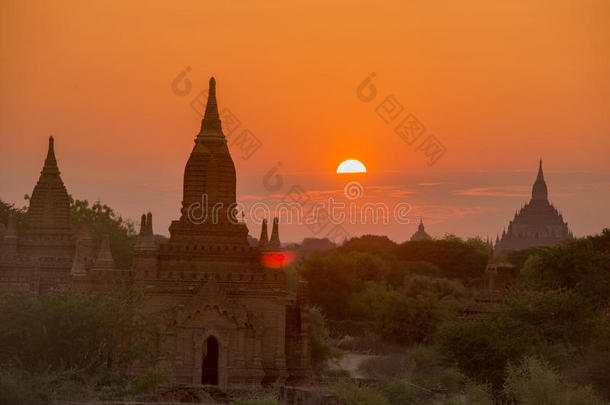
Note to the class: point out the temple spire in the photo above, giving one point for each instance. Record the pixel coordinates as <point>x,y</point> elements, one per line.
<point>263,240</point>
<point>149,225</point>
<point>539,190</point>
<point>540,174</point>
<point>210,125</point>
<point>50,163</point>
<point>274,240</point>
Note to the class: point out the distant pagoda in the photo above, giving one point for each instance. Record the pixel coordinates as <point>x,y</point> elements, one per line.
<point>538,223</point>
<point>421,232</point>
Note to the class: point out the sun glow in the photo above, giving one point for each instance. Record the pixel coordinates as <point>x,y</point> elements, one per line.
<point>351,166</point>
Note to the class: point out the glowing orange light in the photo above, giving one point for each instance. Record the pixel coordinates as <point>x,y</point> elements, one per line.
<point>277,260</point>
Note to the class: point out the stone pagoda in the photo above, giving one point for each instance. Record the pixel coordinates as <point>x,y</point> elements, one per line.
<point>538,223</point>
<point>232,322</point>
<point>421,232</point>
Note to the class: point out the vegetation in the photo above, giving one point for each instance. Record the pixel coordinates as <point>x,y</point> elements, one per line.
<point>548,342</point>
<point>419,376</point>
<point>533,382</point>
<point>103,220</point>
<point>554,321</point>
<point>266,400</point>
<point>65,345</point>
<point>321,349</point>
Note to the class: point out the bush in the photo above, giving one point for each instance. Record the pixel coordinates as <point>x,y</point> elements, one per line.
<point>149,381</point>
<point>410,320</point>
<point>60,331</point>
<point>534,382</point>
<point>321,348</point>
<point>15,389</point>
<point>266,400</point>
<point>70,346</point>
<point>454,257</point>
<point>351,394</point>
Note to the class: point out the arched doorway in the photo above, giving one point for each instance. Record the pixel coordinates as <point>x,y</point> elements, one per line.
<point>209,366</point>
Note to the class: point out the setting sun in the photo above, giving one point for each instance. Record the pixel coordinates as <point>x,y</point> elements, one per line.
<point>351,166</point>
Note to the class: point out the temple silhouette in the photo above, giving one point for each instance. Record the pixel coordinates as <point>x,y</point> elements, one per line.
<point>229,321</point>
<point>421,233</point>
<point>538,223</point>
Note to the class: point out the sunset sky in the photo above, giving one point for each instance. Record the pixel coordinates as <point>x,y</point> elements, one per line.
<point>499,83</point>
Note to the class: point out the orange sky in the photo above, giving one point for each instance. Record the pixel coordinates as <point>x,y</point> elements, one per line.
<point>499,83</point>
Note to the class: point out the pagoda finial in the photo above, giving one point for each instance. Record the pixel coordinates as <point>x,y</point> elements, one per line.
<point>539,190</point>
<point>274,240</point>
<point>50,163</point>
<point>211,119</point>
<point>263,240</point>
<point>143,224</point>
<point>149,226</point>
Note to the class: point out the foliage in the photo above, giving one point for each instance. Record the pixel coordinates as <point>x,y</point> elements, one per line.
<point>410,314</point>
<point>441,288</point>
<point>574,265</point>
<point>321,348</point>
<point>15,389</point>
<point>518,257</point>
<point>59,331</point>
<point>150,380</point>
<point>370,244</point>
<point>410,320</point>
<point>601,242</point>
<point>594,369</point>
<point>454,257</point>
<point>418,376</point>
<point>333,278</point>
<point>19,213</point>
<point>266,400</point>
<point>103,220</point>
<point>533,382</point>
<point>351,394</point>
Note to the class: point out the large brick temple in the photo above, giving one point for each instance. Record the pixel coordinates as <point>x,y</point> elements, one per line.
<point>229,320</point>
<point>537,223</point>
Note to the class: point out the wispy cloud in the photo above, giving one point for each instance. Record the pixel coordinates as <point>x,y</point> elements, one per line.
<point>496,191</point>
<point>432,184</point>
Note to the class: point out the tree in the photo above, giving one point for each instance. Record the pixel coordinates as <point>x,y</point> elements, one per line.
<point>7,209</point>
<point>59,331</point>
<point>454,257</point>
<point>369,243</point>
<point>104,220</point>
<point>335,277</point>
<point>319,338</point>
<point>101,219</point>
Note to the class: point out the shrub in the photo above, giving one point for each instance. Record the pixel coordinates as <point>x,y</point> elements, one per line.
<point>266,400</point>
<point>533,382</point>
<point>150,380</point>
<point>351,394</point>
<point>321,348</point>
